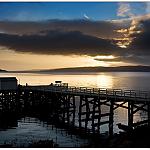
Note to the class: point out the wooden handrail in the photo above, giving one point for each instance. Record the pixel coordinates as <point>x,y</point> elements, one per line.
<point>87,90</point>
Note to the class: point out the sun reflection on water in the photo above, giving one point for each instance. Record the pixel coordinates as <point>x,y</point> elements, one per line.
<point>104,81</point>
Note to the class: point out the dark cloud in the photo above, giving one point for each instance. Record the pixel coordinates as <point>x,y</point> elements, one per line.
<point>138,51</point>
<point>76,37</point>
<point>102,29</point>
<point>136,59</point>
<point>108,60</point>
<point>66,37</point>
<point>58,42</point>
<point>141,44</point>
<point>130,58</point>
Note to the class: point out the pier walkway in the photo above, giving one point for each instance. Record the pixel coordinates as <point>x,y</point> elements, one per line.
<point>116,94</point>
<point>80,107</point>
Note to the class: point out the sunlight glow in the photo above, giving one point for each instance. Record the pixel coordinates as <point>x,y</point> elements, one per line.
<point>104,81</point>
<point>26,61</point>
<point>127,34</point>
<point>105,57</point>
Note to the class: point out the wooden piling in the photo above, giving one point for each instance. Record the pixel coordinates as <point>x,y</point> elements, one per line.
<point>68,108</point>
<point>80,111</point>
<point>99,118</point>
<point>93,115</point>
<point>111,116</point>
<point>149,114</point>
<point>130,114</point>
<point>74,111</point>
<point>87,113</point>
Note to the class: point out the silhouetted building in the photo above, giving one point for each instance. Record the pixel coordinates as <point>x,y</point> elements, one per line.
<point>8,83</point>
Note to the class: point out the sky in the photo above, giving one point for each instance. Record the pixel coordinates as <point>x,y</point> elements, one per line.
<point>48,35</point>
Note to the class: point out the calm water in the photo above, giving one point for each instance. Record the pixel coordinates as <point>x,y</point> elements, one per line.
<point>123,80</point>
<point>32,130</point>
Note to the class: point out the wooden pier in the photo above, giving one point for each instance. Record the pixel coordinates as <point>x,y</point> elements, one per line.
<point>77,106</point>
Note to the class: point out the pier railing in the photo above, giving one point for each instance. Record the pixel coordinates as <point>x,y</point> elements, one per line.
<point>102,92</point>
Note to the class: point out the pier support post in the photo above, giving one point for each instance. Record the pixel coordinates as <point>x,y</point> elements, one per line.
<point>130,114</point>
<point>63,109</point>
<point>80,111</point>
<point>99,118</point>
<point>149,114</point>
<point>111,118</point>
<point>87,112</point>
<point>26,95</point>
<point>93,116</point>
<point>74,111</point>
<point>68,108</point>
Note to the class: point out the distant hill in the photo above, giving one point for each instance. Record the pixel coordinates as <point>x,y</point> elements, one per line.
<point>1,70</point>
<point>102,69</point>
<point>82,70</point>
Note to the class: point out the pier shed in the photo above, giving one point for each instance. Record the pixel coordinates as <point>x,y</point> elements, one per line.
<point>8,83</point>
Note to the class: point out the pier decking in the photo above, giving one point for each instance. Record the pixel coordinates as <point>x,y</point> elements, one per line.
<point>117,94</point>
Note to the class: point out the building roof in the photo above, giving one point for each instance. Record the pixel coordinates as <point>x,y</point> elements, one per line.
<point>8,78</point>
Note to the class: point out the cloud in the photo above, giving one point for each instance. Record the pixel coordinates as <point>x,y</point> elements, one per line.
<point>128,34</point>
<point>108,60</point>
<point>124,10</point>
<point>140,45</point>
<point>147,7</point>
<point>78,37</point>
<point>136,59</point>
<point>138,52</point>
<point>58,42</point>
<point>102,29</point>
